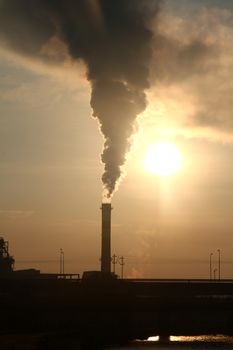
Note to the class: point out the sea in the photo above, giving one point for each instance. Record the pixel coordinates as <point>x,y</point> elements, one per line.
<point>216,342</point>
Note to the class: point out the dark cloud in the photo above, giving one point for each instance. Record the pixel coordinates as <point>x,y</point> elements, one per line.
<point>192,53</point>
<point>112,38</point>
<point>25,26</point>
<point>175,61</point>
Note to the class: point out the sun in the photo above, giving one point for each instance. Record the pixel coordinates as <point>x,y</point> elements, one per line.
<point>163,159</point>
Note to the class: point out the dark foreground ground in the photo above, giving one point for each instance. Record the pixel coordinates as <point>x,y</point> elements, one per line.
<point>55,341</point>
<point>42,342</point>
<point>45,314</point>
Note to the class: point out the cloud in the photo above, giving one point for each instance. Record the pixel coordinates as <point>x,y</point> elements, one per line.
<point>191,74</point>
<point>67,72</point>
<point>16,214</point>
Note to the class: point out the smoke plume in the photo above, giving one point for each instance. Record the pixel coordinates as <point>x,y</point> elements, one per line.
<point>114,41</point>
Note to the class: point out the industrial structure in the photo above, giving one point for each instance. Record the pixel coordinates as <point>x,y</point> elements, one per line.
<point>101,307</point>
<point>6,261</point>
<point>106,238</point>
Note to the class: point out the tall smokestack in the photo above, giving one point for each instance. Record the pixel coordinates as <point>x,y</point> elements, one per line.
<point>106,238</point>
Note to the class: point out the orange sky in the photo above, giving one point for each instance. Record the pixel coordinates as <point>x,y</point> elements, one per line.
<point>50,169</point>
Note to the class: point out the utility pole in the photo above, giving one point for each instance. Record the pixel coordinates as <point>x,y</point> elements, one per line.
<point>122,263</point>
<point>62,262</point>
<point>211,254</point>
<point>219,264</point>
<point>114,262</point>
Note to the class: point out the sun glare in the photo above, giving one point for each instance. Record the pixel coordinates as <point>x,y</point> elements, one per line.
<point>163,158</point>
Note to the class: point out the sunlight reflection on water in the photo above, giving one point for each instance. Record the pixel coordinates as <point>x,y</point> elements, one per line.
<point>204,342</point>
<point>201,338</point>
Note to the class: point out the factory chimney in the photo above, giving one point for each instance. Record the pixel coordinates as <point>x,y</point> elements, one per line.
<point>106,238</point>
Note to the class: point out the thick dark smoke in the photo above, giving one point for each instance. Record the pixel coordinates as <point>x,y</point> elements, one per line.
<point>112,38</point>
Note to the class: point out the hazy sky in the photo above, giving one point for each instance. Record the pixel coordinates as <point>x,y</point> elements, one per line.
<point>50,149</point>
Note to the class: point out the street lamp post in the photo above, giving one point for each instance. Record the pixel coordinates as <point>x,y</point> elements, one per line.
<point>219,253</point>
<point>62,261</point>
<point>211,254</point>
